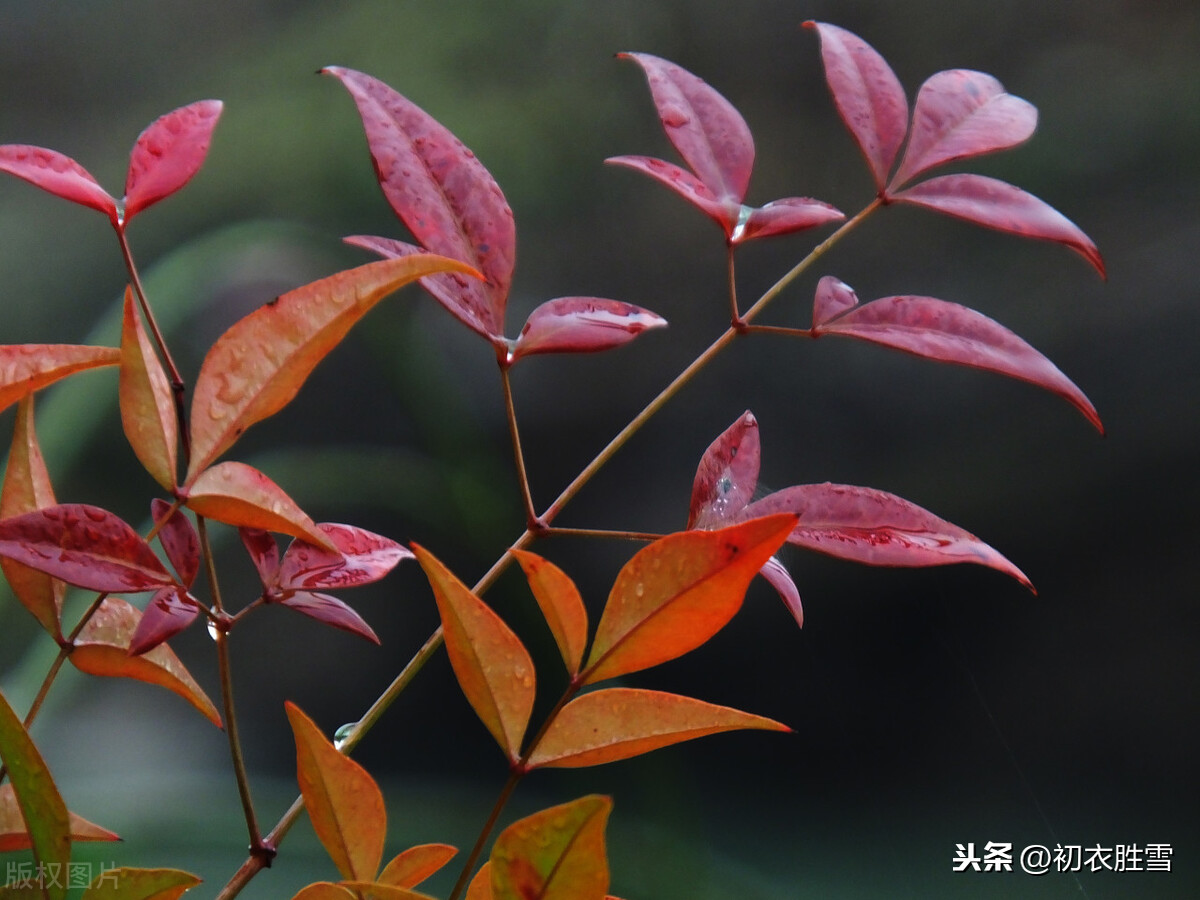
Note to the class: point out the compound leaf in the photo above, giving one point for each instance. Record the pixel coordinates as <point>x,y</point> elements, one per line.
<point>58,174</point>
<point>25,368</point>
<point>168,153</point>
<point>556,854</point>
<point>561,605</point>
<point>147,407</point>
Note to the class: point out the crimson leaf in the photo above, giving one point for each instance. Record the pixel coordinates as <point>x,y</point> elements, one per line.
<point>582,325</point>
<point>168,153</point>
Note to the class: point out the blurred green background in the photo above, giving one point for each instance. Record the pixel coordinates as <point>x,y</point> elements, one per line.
<point>931,707</point>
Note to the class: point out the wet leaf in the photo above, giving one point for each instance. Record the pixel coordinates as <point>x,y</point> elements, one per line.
<point>343,801</point>
<point>556,854</point>
<point>58,174</point>
<point>25,368</point>
<point>140,884</point>
<point>412,866</point>
<point>561,606</point>
<point>14,835</point>
<point>961,113</point>
<point>240,495</point>
<point>493,667</point>
<point>685,184</point>
<point>102,648</point>
<point>947,332</point>
<point>47,821</point>
<point>359,557</point>
<point>168,153</point>
<point>727,475</point>
<point>618,723</point>
<point>786,216</point>
<point>867,94</point>
<point>582,325</point>
<point>85,546</point>
<point>445,196</point>
<point>258,365</point>
<point>877,528</point>
<point>330,611</point>
<point>27,488</point>
<point>997,204</point>
<point>169,611</point>
<point>264,553</point>
<point>676,593</point>
<point>147,406</point>
<point>179,540</point>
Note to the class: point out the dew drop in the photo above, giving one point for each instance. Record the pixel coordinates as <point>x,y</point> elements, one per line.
<point>639,589</point>
<point>343,734</point>
<point>212,629</point>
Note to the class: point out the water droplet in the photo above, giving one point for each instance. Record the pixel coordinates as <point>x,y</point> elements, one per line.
<point>212,629</point>
<point>343,734</point>
<point>639,589</point>
<point>674,116</point>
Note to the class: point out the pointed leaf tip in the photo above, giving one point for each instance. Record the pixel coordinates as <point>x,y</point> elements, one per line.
<point>560,603</point>
<point>583,325</point>
<point>58,174</point>
<point>727,475</point>
<point>168,154</point>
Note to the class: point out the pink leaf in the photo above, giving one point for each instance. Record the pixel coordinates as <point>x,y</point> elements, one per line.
<point>833,297</point>
<point>961,113</point>
<point>85,546</point>
<point>25,368</point>
<point>58,174</point>
<point>947,332</point>
<point>179,540</point>
<point>445,196</point>
<point>727,475</point>
<point>168,153</point>
<point>363,557</point>
<point>169,611</point>
<point>997,204</point>
<point>686,185</point>
<point>330,611</point>
<point>784,216</point>
<point>779,578</point>
<point>582,325</point>
<point>264,553</point>
<point>704,127</point>
<point>867,94</point>
<point>877,528</point>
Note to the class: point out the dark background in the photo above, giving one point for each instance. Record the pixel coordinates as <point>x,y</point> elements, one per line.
<point>931,707</point>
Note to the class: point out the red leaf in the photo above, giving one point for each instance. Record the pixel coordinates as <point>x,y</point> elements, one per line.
<point>778,577</point>
<point>997,204</point>
<point>961,113</point>
<point>868,96</point>
<point>15,836</point>
<point>556,854</point>
<point>330,611</point>
<point>877,528</point>
<point>832,298</point>
<point>582,325</point>
<point>784,216</point>
<point>147,406</point>
<point>412,866</point>
<point>264,553</point>
<point>58,174</point>
<point>681,181</point>
<point>85,546</point>
<point>361,557</point>
<point>179,540</point>
<point>727,475</point>
<point>947,332</point>
<point>704,127</point>
<point>169,612</point>
<point>258,365</point>
<point>102,648</point>
<point>25,368</point>
<point>445,196</point>
<point>168,153</point>
<point>561,605</point>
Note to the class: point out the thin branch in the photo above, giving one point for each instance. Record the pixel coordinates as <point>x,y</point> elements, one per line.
<point>531,519</point>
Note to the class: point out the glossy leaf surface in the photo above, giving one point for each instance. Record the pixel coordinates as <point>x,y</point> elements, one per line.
<point>140,884</point>
<point>412,866</point>
<point>676,593</point>
<point>258,365</point>
<point>58,174</point>
<point>786,216</point>
<point>997,204</point>
<point>960,113</point>
<point>27,488</point>
<point>342,799</point>
<point>47,821</point>
<point>877,528</point>
<point>685,184</point>
<point>25,368</point>
<point>582,325</point>
<point>330,611</point>
<point>445,196</point>
<point>556,854</point>
<point>240,495</point>
<point>168,153</point>
<point>147,407</point>
<point>558,598</point>
<point>179,540</point>
<point>779,578</point>
<point>618,723</point>
<point>867,94</point>
<point>264,553</point>
<point>947,332</point>
<point>14,835</point>
<point>85,546</point>
<point>102,648</point>
<point>727,475</point>
<point>169,611</point>
<point>359,557</point>
<point>493,667</point>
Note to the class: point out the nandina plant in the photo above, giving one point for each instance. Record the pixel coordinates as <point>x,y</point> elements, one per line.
<point>672,595</point>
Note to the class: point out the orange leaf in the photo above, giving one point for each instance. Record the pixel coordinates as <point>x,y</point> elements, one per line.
<point>257,366</point>
<point>493,668</point>
<point>102,648</point>
<point>147,408</point>
<point>324,890</point>
<point>14,835</point>
<point>480,887</point>
<point>617,723</point>
<point>27,488</point>
<point>561,604</point>
<point>343,801</point>
<point>238,494</point>
<point>555,854</point>
<point>678,592</point>
<point>140,884</point>
<point>412,866</point>
<point>373,890</point>
<point>25,368</point>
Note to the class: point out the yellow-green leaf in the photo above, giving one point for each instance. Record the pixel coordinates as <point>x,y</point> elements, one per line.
<point>140,884</point>
<point>556,854</point>
<point>147,407</point>
<point>412,866</point>
<point>561,606</point>
<point>25,368</point>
